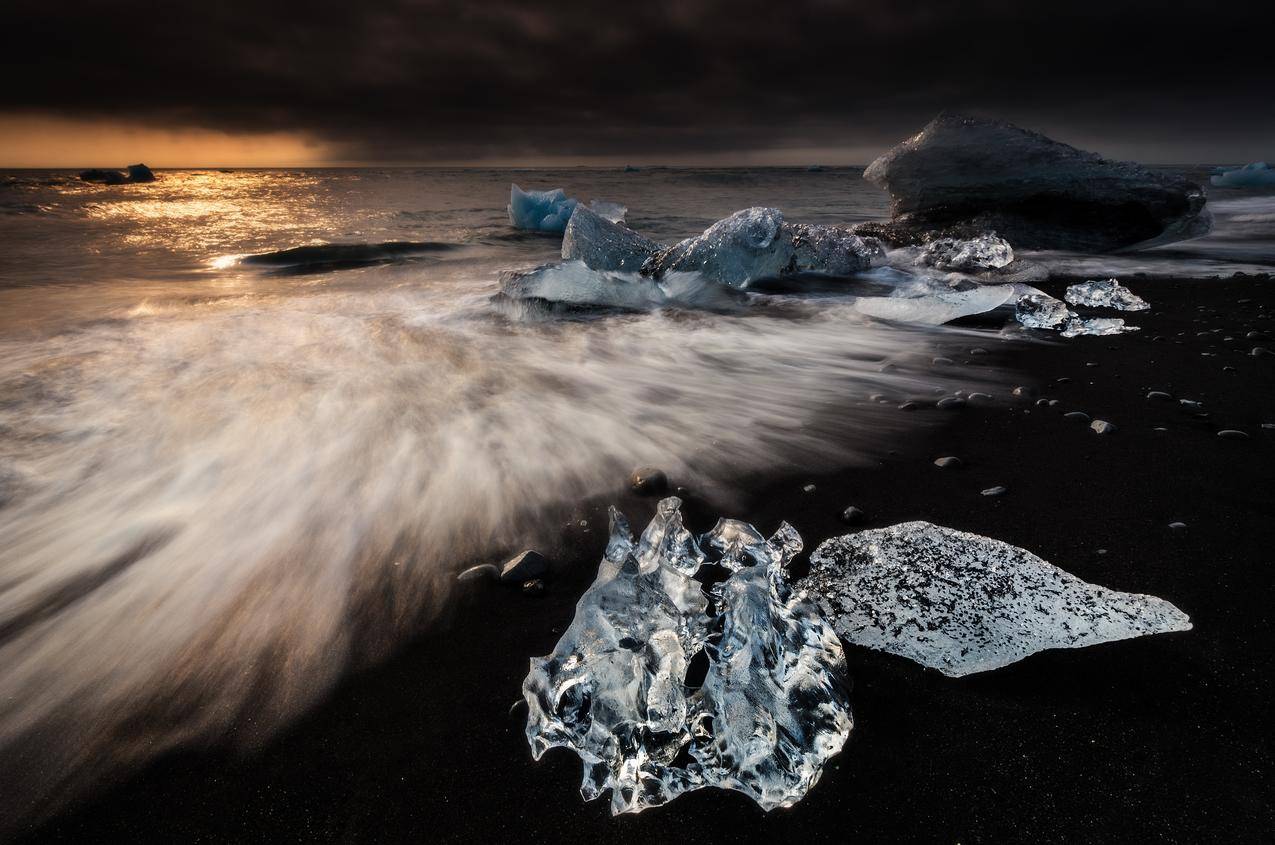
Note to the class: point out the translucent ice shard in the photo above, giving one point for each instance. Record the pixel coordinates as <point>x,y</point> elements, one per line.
<point>573,284</point>
<point>603,244</point>
<point>540,211</point>
<point>935,307</point>
<point>1042,311</point>
<point>771,710</point>
<point>961,603</point>
<point>985,252</point>
<point>612,211</point>
<point>1107,293</point>
<point>1078,326</point>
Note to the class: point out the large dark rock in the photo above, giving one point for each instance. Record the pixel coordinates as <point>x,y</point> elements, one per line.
<point>136,173</point>
<point>961,176</point>
<point>140,173</point>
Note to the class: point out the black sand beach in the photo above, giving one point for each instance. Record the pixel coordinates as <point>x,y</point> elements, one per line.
<point>1163,738</point>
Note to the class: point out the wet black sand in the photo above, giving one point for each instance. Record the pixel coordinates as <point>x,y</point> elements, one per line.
<point>1160,739</point>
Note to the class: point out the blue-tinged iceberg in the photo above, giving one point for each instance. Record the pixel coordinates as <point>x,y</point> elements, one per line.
<point>1256,175</point>
<point>540,211</point>
<point>772,708</point>
<point>549,211</point>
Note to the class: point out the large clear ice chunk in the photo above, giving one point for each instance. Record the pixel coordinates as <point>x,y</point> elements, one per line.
<point>735,251</point>
<point>756,243</point>
<point>603,244</point>
<point>1105,293</point>
<point>976,255</point>
<point>961,603</point>
<point>772,708</point>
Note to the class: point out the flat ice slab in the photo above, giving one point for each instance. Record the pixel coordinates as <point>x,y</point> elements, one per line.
<point>771,709</point>
<point>961,603</point>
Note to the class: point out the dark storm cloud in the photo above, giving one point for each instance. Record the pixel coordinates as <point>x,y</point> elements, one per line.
<point>431,79</point>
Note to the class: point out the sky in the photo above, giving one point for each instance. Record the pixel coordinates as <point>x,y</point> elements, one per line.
<point>235,83</point>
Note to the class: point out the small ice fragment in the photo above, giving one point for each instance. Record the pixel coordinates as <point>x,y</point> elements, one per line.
<point>611,211</point>
<point>985,252</point>
<point>540,211</point>
<point>1107,293</point>
<point>961,603</point>
<point>1256,175</point>
<point>603,244</point>
<point>771,709</point>
<point>1041,311</point>
<point>1078,326</point>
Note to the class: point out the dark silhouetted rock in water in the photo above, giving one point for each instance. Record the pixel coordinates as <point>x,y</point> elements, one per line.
<point>140,173</point>
<point>962,176</point>
<point>136,173</point>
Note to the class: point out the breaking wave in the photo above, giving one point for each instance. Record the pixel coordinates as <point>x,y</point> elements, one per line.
<point>208,514</point>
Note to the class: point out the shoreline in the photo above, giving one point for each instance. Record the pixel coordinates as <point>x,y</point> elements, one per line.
<point>1152,738</point>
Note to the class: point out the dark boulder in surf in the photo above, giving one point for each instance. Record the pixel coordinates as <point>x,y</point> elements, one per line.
<point>961,176</point>
<point>136,173</point>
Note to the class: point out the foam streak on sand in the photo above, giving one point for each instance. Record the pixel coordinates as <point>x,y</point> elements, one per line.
<point>216,509</point>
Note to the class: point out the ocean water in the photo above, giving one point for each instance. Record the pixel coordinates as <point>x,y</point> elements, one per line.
<point>235,463</point>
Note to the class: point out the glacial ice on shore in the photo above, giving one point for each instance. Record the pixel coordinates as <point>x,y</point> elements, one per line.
<point>976,255</point>
<point>1041,311</point>
<point>961,603</point>
<point>756,243</point>
<point>1097,326</point>
<point>1256,175</point>
<point>1105,293</point>
<point>936,306</point>
<point>604,244</point>
<point>771,710</point>
<point>573,283</point>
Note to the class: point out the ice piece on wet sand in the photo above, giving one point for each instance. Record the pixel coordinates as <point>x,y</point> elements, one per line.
<point>756,243</point>
<point>571,283</point>
<point>1107,293</point>
<point>604,245</point>
<point>771,710</point>
<point>985,252</point>
<point>1256,175</point>
<point>549,211</point>
<point>937,306</point>
<point>961,603</point>
<point>1078,326</point>
<point>1041,311</point>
